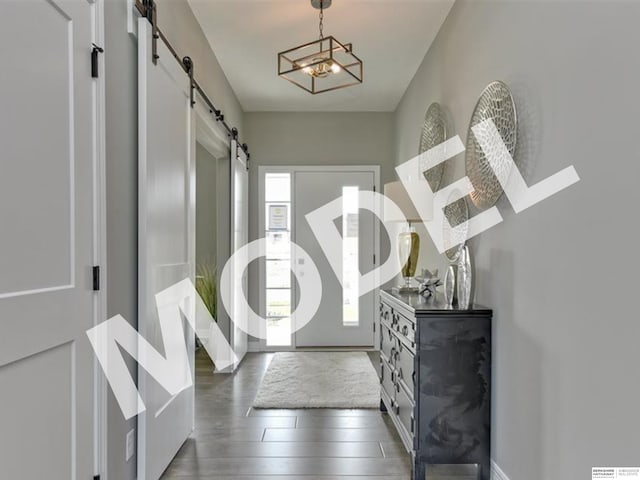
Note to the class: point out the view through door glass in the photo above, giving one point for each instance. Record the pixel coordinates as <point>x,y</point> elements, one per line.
<point>350,256</point>
<point>278,258</point>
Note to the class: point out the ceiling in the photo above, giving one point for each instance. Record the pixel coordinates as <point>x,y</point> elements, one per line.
<point>390,36</point>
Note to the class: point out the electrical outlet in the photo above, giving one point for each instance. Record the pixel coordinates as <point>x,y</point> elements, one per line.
<point>131,444</point>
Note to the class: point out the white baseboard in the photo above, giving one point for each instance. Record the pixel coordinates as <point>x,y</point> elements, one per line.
<point>497,473</point>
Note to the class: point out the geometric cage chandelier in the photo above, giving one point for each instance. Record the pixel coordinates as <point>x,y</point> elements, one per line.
<point>322,65</point>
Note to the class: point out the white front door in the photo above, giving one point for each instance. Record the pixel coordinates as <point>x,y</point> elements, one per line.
<point>48,168</point>
<point>344,319</point>
<point>166,238</point>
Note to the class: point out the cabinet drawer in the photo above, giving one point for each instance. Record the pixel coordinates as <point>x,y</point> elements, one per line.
<point>406,330</point>
<point>404,410</point>
<point>386,313</point>
<point>387,342</point>
<point>404,365</point>
<point>386,379</point>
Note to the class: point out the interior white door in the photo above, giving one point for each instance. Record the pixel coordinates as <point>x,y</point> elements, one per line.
<point>239,238</point>
<point>166,236</point>
<point>343,319</point>
<point>48,131</point>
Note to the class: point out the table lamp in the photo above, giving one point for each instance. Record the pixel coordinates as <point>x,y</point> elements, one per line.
<point>408,239</point>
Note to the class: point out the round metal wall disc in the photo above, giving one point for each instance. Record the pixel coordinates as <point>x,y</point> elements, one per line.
<point>434,132</point>
<point>497,104</point>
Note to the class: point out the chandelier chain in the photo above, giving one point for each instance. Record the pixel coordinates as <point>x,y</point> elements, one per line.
<point>321,26</point>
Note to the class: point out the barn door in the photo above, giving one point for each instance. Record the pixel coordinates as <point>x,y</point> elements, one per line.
<point>48,172</point>
<point>166,237</point>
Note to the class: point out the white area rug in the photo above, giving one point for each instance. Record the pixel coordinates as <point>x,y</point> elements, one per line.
<point>319,380</point>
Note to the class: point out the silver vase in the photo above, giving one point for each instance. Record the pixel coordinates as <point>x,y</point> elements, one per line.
<point>449,286</point>
<point>464,279</point>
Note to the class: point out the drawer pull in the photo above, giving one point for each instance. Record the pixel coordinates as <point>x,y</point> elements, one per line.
<point>405,330</point>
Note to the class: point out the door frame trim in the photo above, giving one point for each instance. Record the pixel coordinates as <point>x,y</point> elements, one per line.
<point>237,160</point>
<point>261,344</point>
<point>101,388</point>
<point>209,133</point>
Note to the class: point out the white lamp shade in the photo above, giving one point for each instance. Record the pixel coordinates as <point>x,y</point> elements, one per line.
<point>395,191</point>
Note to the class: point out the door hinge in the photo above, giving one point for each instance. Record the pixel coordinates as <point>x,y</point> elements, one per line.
<point>96,278</point>
<point>374,327</point>
<point>374,258</point>
<point>94,60</point>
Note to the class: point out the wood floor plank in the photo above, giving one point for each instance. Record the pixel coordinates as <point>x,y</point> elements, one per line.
<point>314,412</point>
<point>393,449</point>
<point>246,422</point>
<point>237,434</point>
<point>376,467</point>
<point>199,449</point>
<point>282,477</point>
<point>328,435</point>
<point>342,422</point>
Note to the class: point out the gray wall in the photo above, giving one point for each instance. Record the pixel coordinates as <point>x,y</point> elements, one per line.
<point>562,275</point>
<point>314,138</point>
<point>180,26</point>
<point>206,206</point>
<point>178,23</point>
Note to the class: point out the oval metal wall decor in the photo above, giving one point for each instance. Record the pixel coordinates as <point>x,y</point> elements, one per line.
<point>495,103</point>
<point>434,132</point>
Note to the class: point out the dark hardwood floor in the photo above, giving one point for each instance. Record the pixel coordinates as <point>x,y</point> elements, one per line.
<point>234,442</point>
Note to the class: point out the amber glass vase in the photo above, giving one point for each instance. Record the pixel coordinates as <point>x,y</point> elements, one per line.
<point>408,249</point>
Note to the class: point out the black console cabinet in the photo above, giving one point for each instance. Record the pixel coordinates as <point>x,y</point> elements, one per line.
<point>435,375</point>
